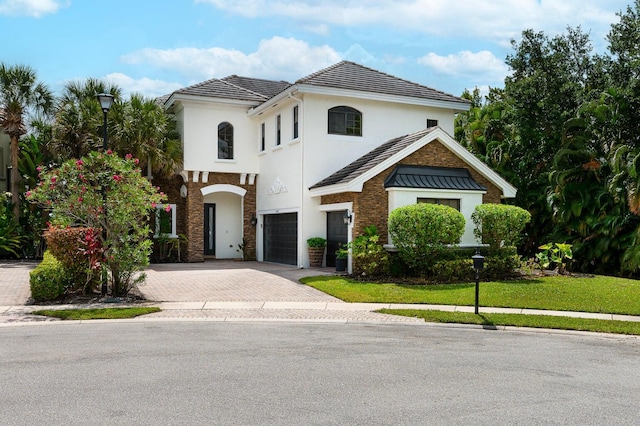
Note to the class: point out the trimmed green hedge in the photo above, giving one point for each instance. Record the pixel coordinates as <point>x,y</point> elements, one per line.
<point>47,280</point>
<point>499,224</point>
<point>422,231</point>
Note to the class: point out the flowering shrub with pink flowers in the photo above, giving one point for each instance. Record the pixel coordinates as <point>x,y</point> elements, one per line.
<point>109,193</point>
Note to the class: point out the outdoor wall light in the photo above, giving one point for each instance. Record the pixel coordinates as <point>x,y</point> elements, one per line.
<point>346,217</point>
<point>254,220</point>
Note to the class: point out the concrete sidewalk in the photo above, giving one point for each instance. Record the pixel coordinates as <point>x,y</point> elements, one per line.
<point>237,291</point>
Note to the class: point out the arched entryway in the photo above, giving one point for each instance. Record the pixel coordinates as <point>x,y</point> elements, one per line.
<point>223,206</point>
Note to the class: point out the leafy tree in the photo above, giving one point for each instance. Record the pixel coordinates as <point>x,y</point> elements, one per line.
<point>75,193</point>
<point>550,78</point>
<point>20,94</point>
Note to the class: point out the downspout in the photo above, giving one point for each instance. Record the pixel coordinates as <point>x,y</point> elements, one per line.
<point>301,219</point>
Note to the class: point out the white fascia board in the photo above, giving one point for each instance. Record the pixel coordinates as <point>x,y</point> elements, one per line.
<point>209,100</point>
<point>259,109</point>
<point>355,185</point>
<point>335,189</point>
<point>508,190</point>
<point>330,91</point>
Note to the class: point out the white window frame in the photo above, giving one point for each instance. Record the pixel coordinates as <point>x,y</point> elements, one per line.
<point>160,207</point>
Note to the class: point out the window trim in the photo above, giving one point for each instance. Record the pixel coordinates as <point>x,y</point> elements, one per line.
<point>346,112</point>
<point>296,121</point>
<point>158,209</point>
<point>230,149</point>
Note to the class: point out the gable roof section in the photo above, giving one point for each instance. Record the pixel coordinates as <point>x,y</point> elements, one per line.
<point>219,89</point>
<point>352,177</point>
<point>268,88</point>
<point>351,76</point>
<point>427,177</point>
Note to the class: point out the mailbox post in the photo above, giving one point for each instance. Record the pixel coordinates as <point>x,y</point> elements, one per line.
<point>478,265</point>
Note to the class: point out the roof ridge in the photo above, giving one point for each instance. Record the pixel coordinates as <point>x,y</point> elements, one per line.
<point>244,88</point>
<point>253,78</point>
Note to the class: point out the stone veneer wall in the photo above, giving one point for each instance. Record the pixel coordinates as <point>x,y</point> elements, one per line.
<point>371,206</point>
<point>190,211</point>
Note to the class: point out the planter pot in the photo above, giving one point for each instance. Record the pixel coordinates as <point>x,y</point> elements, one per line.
<point>341,264</point>
<point>316,255</point>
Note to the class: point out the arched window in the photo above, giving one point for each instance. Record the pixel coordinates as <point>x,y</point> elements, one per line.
<point>344,120</point>
<point>225,141</point>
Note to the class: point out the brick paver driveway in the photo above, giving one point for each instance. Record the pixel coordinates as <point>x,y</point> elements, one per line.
<point>229,281</point>
<point>14,282</point>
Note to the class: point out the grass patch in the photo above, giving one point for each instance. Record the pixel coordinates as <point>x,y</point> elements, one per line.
<point>598,294</point>
<point>520,320</point>
<point>99,313</point>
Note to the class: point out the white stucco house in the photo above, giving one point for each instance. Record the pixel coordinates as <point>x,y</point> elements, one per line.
<point>272,163</point>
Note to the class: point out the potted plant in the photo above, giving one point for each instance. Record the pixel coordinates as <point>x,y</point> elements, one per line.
<point>342,255</point>
<point>316,251</point>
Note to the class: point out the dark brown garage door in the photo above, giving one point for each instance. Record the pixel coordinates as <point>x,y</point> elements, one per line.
<point>281,238</point>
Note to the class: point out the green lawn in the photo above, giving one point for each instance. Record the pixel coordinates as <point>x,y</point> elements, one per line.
<point>563,293</point>
<point>99,313</point>
<point>518,320</point>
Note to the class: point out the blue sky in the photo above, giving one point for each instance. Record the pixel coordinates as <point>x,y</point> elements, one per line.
<point>156,46</point>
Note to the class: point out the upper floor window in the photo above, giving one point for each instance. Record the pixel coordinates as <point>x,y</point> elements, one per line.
<point>225,141</point>
<point>262,137</point>
<point>278,130</point>
<point>431,123</point>
<point>344,120</point>
<point>295,122</point>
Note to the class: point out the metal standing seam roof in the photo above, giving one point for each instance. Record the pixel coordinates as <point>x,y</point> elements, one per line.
<point>371,159</point>
<point>352,76</point>
<point>428,177</point>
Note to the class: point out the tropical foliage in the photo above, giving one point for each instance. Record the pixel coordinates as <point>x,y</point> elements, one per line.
<point>564,131</point>
<point>104,191</point>
<point>21,95</point>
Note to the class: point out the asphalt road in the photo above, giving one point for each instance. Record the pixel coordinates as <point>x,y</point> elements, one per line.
<point>209,373</point>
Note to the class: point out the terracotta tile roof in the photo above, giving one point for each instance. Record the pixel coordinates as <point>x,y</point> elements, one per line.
<point>268,88</point>
<point>349,75</point>
<point>372,159</point>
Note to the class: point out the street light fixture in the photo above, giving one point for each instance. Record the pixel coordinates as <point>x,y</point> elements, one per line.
<point>106,100</point>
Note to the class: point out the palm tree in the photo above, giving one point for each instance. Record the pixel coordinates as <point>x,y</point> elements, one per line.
<point>138,126</point>
<point>77,128</point>
<point>142,128</point>
<point>20,94</point>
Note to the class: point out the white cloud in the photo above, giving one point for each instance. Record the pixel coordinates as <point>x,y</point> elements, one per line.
<point>497,20</point>
<point>145,86</point>
<point>32,8</point>
<point>478,68</point>
<point>276,58</point>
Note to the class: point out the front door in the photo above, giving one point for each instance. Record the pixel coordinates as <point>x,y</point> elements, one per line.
<point>337,234</point>
<point>209,229</point>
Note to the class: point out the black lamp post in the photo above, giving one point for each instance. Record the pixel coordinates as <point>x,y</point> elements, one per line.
<point>478,265</point>
<point>106,100</point>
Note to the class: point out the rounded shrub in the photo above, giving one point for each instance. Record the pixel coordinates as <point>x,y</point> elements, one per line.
<point>47,280</point>
<point>499,225</point>
<point>421,231</point>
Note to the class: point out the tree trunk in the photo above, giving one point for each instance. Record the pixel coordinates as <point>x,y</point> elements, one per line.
<point>15,178</point>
